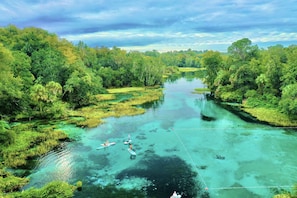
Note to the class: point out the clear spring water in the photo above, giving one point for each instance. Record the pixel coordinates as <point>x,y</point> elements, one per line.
<point>232,158</point>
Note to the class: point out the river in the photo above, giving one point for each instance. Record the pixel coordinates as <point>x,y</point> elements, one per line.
<point>176,150</point>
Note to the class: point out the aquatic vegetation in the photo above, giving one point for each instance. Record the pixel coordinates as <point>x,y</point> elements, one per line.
<point>79,185</point>
<point>201,90</point>
<point>125,90</point>
<point>30,143</point>
<point>107,107</point>
<point>52,189</point>
<point>109,191</point>
<point>189,69</point>
<point>271,116</point>
<point>10,183</point>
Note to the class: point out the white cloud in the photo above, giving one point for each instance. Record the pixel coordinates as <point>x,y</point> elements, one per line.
<point>155,23</point>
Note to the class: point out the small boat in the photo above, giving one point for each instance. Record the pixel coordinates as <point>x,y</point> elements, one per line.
<point>105,145</point>
<point>128,142</point>
<point>131,151</point>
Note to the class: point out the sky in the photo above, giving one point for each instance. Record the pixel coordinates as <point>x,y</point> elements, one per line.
<point>163,25</point>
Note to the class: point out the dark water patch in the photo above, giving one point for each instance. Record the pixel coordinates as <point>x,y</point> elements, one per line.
<point>290,131</point>
<point>100,161</point>
<point>149,152</point>
<point>166,174</point>
<point>236,110</point>
<point>78,146</point>
<point>153,104</point>
<point>207,118</point>
<point>110,191</point>
<point>174,149</point>
<point>153,130</point>
<point>141,137</point>
<point>220,157</point>
<point>246,133</point>
<point>202,167</point>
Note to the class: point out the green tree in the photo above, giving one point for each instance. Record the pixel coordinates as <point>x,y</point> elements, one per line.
<point>87,54</point>
<point>290,68</point>
<point>6,135</point>
<point>47,64</point>
<point>212,62</point>
<point>262,83</point>
<point>288,102</point>
<point>243,50</point>
<point>148,70</point>
<point>243,79</point>
<point>48,99</point>
<point>39,97</point>
<point>81,87</point>
<point>10,86</point>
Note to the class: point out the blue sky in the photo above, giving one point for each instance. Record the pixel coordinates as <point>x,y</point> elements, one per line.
<point>162,25</point>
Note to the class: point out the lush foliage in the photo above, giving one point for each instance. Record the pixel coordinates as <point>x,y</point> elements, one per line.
<point>56,189</point>
<point>262,78</point>
<point>10,183</point>
<point>44,77</point>
<point>29,142</point>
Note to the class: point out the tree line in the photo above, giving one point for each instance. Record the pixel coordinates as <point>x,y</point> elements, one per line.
<point>254,77</point>
<point>42,74</point>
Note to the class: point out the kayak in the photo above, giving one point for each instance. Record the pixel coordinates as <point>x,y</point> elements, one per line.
<point>105,146</point>
<point>128,142</point>
<point>131,151</point>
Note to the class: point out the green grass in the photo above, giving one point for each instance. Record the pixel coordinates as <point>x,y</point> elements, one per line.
<point>107,107</point>
<point>125,90</point>
<point>272,116</point>
<point>188,69</point>
<point>201,90</point>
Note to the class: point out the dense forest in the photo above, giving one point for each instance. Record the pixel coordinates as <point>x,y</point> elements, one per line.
<point>255,78</point>
<point>42,76</point>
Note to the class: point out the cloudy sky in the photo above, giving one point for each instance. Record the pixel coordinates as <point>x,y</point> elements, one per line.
<point>159,24</point>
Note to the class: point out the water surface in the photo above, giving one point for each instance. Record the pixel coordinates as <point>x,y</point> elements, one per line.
<point>177,150</point>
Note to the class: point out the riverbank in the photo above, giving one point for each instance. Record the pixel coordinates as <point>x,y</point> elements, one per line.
<point>261,115</point>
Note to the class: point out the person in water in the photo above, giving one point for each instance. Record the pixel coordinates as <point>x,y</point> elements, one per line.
<point>106,143</point>
<point>130,146</point>
<point>132,156</point>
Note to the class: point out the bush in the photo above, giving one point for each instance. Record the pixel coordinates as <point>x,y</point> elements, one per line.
<point>79,185</point>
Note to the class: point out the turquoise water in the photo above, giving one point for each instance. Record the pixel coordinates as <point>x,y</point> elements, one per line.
<point>177,150</point>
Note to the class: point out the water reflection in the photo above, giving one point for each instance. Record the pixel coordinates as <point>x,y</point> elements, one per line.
<point>58,164</point>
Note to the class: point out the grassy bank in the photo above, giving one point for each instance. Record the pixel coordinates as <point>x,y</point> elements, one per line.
<point>271,116</point>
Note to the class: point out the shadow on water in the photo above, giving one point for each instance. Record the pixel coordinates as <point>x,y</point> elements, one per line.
<point>207,111</point>
<point>153,104</point>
